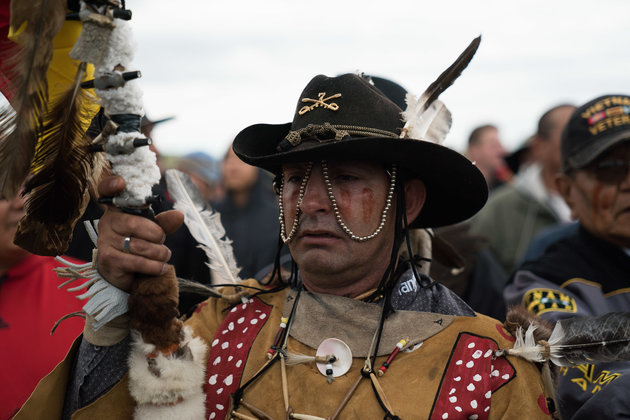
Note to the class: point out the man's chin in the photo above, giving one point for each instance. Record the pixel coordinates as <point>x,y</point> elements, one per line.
<point>320,261</point>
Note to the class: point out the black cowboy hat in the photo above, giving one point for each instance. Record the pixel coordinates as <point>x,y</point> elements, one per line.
<point>345,117</point>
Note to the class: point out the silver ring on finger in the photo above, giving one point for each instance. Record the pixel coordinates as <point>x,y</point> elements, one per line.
<point>126,244</point>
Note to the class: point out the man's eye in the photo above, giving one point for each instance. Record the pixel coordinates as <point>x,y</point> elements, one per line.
<point>612,171</point>
<point>345,178</point>
<point>294,179</point>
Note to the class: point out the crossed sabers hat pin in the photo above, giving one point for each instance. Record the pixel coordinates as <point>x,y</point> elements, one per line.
<point>320,101</point>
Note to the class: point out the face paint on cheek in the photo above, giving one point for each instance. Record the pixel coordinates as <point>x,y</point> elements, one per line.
<point>603,198</point>
<point>367,201</point>
<point>595,200</point>
<point>344,199</point>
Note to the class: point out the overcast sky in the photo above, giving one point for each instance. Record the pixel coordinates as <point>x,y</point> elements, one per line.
<point>219,66</point>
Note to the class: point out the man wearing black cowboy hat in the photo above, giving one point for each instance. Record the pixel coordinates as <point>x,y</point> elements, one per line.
<point>353,331</point>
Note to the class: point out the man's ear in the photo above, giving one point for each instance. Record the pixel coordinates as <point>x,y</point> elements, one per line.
<point>415,195</point>
<point>564,184</point>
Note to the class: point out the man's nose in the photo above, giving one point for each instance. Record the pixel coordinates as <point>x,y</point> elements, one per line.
<point>316,194</point>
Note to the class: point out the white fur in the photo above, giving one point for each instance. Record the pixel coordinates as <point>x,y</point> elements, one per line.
<point>189,409</point>
<point>120,49</point>
<point>123,100</point>
<point>138,169</point>
<point>179,378</point>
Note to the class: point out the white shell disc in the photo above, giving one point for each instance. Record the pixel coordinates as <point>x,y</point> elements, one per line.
<point>342,353</point>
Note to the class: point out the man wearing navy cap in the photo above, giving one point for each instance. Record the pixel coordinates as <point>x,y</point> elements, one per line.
<point>586,273</point>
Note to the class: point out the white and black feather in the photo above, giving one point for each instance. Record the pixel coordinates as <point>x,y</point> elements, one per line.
<point>204,225</point>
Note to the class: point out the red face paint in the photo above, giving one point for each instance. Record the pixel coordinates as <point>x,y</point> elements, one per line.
<point>367,201</point>
<point>344,201</point>
<point>607,198</point>
<point>595,205</point>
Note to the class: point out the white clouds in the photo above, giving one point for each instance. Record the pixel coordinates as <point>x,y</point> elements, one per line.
<point>219,66</point>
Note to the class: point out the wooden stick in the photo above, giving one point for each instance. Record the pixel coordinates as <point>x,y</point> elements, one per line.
<point>242,416</point>
<point>285,387</point>
<point>346,398</point>
<point>381,393</point>
<point>258,412</point>
<point>305,417</point>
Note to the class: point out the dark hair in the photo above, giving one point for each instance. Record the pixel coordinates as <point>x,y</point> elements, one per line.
<point>547,122</point>
<point>475,135</point>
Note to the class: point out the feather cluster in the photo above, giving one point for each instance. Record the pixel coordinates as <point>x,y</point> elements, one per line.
<point>59,188</point>
<point>427,118</point>
<point>204,225</point>
<point>578,340</point>
<point>45,135</point>
<point>36,23</point>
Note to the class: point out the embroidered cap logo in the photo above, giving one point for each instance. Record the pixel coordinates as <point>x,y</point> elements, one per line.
<point>320,101</point>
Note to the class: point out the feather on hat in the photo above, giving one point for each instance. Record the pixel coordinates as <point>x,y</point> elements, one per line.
<point>345,117</point>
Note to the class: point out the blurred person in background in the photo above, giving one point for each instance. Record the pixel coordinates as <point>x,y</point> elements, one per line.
<point>585,273</point>
<point>249,213</point>
<point>517,211</point>
<point>487,152</point>
<point>205,172</point>
<point>30,304</point>
<point>521,156</point>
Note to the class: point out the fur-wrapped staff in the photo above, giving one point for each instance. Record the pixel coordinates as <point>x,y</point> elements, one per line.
<point>50,129</point>
<point>106,41</point>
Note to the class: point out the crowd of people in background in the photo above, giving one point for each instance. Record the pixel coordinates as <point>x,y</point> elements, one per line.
<point>552,242</point>
<point>578,266</point>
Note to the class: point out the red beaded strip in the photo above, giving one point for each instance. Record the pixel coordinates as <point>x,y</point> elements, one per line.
<point>381,371</point>
<point>276,341</point>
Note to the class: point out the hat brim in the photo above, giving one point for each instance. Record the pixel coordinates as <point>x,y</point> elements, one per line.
<point>456,189</point>
<point>595,149</point>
